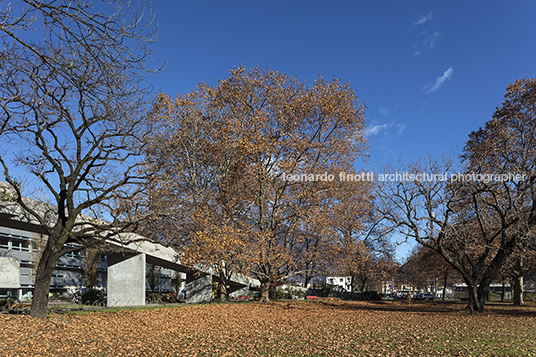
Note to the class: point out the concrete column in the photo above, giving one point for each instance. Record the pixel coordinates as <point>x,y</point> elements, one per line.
<point>126,280</point>
<point>9,273</point>
<point>198,289</point>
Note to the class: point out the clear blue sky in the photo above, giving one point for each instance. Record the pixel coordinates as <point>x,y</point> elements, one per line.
<point>430,72</point>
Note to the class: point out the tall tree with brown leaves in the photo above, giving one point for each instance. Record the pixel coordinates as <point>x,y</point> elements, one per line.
<point>425,267</point>
<point>233,153</point>
<point>359,242</point>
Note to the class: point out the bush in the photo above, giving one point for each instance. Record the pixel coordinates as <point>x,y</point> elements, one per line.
<point>275,286</point>
<point>371,295</point>
<point>295,293</point>
<point>6,304</point>
<point>289,293</point>
<point>279,293</point>
<point>92,297</point>
<point>170,298</point>
<point>153,298</point>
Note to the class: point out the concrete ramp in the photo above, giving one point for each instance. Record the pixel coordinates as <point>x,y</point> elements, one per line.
<point>128,253</point>
<point>198,279</point>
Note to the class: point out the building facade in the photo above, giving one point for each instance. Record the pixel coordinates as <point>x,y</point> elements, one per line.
<point>342,283</point>
<point>68,276</point>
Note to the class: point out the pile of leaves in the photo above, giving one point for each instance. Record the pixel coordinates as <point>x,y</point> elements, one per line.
<point>300,328</point>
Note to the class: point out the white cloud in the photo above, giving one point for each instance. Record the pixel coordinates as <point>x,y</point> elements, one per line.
<point>431,88</point>
<point>424,19</point>
<point>423,105</point>
<point>427,41</point>
<point>384,111</point>
<point>376,129</point>
<point>431,40</point>
<point>401,128</point>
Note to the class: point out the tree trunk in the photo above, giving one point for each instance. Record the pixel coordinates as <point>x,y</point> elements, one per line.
<point>518,290</point>
<point>265,290</point>
<point>352,287</point>
<point>491,271</point>
<point>518,283</point>
<point>45,268</point>
<point>223,287</point>
<point>503,290</point>
<point>483,292</point>
<point>445,284</point>
<point>475,304</point>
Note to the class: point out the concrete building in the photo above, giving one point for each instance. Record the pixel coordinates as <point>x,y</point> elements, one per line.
<point>122,269</point>
<point>19,249</point>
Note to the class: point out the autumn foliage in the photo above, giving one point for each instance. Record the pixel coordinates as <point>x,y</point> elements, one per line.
<point>226,195</point>
<point>320,328</point>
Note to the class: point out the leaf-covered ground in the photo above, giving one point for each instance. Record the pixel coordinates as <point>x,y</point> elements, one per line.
<point>316,328</point>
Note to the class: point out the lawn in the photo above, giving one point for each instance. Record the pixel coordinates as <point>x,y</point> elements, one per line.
<point>294,328</point>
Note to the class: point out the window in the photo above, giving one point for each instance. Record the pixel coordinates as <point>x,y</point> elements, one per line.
<point>73,254</point>
<point>4,242</point>
<point>20,244</point>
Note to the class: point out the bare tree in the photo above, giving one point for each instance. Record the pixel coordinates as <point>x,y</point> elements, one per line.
<point>90,267</point>
<point>441,215</point>
<point>426,268</point>
<point>519,263</point>
<point>474,218</point>
<point>70,118</point>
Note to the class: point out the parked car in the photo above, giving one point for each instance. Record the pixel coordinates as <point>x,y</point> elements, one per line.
<point>424,296</point>
<point>401,296</point>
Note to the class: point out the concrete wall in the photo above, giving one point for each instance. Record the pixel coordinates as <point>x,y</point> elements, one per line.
<point>198,289</point>
<point>126,280</point>
<point>239,291</point>
<point>9,273</point>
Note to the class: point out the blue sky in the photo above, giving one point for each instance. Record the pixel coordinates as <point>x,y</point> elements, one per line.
<point>430,72</point>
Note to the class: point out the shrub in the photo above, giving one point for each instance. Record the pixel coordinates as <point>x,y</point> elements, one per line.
<point>371,295</point>
<point>92,297</point>
<point>6,304</point>
<point>288,293</point>
<point>154,298</point>
<point>170,298</point>
<point>294,293</point>
<point>279,293</point>
<point>274,288</point>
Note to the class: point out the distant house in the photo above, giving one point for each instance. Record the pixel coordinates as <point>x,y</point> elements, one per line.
<point>342,283</point>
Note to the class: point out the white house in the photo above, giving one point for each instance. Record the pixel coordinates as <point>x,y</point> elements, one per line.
<point>341,282</point>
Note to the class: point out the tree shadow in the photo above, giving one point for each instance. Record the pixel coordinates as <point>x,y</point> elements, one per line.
<point>528,310</point>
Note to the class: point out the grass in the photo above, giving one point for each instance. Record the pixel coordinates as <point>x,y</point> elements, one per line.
<point>290,328</point>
